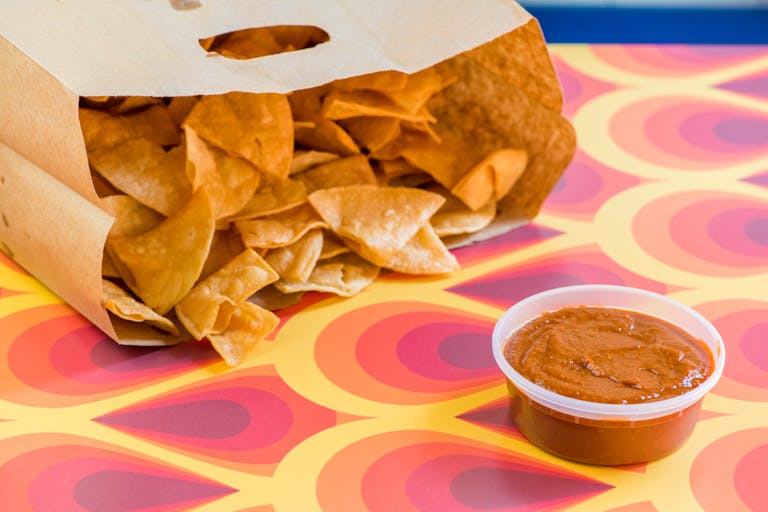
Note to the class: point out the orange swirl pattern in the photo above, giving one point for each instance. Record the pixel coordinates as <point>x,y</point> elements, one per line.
<point>390,400</point>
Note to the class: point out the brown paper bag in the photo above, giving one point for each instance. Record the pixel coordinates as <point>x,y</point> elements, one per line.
<point>54,52</point>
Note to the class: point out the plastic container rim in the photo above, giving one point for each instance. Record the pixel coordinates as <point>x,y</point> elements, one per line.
<point>595,410</point>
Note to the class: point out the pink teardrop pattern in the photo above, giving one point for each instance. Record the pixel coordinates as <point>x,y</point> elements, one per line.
<point>714,233</point>
<point>754,85</point>
<point>689,134</point>
<point>579,265</point>
<point>761,180</point>
<point>427,470</point>
<point>674,60</point>
<point>247,419</point>
<point>67,473</point>
<point>578,88</point>
<point>55,358</point>
<point>743,324</point>
<point>584,187</point>
<point>739,463</point>
<point>408,353</point>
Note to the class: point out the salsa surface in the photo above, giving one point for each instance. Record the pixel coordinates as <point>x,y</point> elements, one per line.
<point>608,355</point>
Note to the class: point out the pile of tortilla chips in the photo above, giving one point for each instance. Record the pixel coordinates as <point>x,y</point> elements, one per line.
<point>230,206</point>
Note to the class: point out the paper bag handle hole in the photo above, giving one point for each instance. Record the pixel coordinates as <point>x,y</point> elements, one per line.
<point>251,43</point>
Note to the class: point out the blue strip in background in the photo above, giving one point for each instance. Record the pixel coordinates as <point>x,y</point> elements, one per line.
<point>652,25</point>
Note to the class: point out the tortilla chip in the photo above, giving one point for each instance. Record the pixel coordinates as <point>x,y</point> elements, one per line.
<point>345,104</point>
<point>332,246</point>
<point>226,245</point>
<point>161,265</point>
<point>445,162</point>
<point>375,221</point>
<point>256,127</point>
<point>201,311</point>
<point>344,275</point>
<point>492,178</point>
<point>274,300</point>
<point>424,253</point>
<point>179,108</point>
<point>295,262</point>
<point>418,89</point>
<point>272,196</point>
<point>454,217</point>
<point>351,170</point>
<point>229,180</point>
<point>280,229</point>
<point>306,159</point>
<point>121,304</point>
<point>248,324</point>
<point>388,80</point>
<point>131,217</point>
<point>321,133</point>
<point>144,171</point>
<point>101,129</point>
<point>372,133</point>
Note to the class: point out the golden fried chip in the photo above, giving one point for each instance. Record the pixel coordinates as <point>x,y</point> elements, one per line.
<point>272,196</point>
<point>246,44</point>
<point>229,180</point>
<point>342,172</point>
<point>119,302</point>
<point>201,312</point>
<point>161,265</point>
<point>377,221</point>
<point>256,42</point>
<point>306,159</point>
<point>248,324</point>
<point>388,80</point>
<point>344,275</point>
<point>419,87</point>
<point>454,217</point>
<point>102,129</point>
<point>345,104</point>
<point>492,178</point>
<point>257,127</point>
<point>397,167</point>
<point>332,246</point>
<point>445,161</point>
<point>280,229</point>
<point>295,262</point>
<point>144,171</point>
<point>131,217</point>
<point>226,245</point>
<point>372,133</point>
<point>130,104</point>
<point>108,268</point>
<point>424,253</point>
<point>320,134</point>
<point>274,300</point>
<point>179,108</point>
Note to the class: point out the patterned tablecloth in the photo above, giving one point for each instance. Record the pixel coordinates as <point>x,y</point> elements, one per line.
<point>390,401</point>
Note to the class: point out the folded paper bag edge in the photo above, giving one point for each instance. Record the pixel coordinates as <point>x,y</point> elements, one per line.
<point>54,234</point>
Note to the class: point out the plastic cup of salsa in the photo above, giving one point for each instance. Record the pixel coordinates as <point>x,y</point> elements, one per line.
<point>596,432</point>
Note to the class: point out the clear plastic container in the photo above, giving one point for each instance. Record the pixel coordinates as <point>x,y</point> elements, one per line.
<point>604,433</point>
